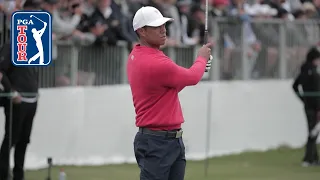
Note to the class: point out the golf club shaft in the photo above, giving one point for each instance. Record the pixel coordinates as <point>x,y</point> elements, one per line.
<point>209,100</point>
<point>207,148</point>
<point>206,26</point>
<point>38,19</point>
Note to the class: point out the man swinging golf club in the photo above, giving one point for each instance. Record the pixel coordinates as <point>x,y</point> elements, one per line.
<point>155,82</point>
<point>37,34</point>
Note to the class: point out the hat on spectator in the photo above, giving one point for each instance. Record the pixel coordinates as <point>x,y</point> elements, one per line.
<point>148,16</point>
<point>51,1</point>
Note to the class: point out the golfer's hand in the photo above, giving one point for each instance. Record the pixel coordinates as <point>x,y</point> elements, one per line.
<point>205,51</point>
<point>208,66</point>
<point>16,98</point>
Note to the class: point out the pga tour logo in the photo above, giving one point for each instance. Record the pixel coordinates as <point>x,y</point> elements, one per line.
<point>31,38</point>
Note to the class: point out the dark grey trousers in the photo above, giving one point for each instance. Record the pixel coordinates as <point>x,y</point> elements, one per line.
<point>160,157</point>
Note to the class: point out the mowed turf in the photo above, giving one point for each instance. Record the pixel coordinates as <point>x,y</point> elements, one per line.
<point>280,164</point>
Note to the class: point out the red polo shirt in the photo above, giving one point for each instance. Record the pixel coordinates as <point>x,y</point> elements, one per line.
<point>155,82</point>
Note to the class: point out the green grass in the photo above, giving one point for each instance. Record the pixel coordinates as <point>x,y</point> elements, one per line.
<point>280,164</point>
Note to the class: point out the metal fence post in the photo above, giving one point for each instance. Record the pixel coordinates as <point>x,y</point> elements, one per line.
<point>282,51</point>
<point>244,60</point>
<point>215,73</point>
<point>195,51</point>
<point>74,65</point>
<point>125,54</point>
<point>172,54</point>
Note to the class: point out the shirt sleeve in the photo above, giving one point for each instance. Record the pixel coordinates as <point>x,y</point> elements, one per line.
<point>171,75</point>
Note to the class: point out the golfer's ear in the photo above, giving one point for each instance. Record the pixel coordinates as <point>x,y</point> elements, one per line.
<point>141,31</point>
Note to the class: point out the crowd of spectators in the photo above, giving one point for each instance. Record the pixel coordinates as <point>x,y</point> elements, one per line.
<point>108,22</point>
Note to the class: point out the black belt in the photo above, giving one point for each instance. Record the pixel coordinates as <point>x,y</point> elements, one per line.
<point>169,134</point>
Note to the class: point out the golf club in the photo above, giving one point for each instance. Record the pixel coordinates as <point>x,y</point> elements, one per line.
<point>206,25</point>
<point>37,18</point>
<point>207,148</point>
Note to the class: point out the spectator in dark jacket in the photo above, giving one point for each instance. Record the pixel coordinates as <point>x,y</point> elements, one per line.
<point>104,25</point>
<point>184,9</point>
<point>127,34</point>
<point>309,79</point>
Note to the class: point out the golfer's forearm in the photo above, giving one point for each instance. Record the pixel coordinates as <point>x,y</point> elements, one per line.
<point>198,69</point>
<point>188,77</point>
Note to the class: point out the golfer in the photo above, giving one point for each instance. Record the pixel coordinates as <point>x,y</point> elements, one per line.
<point>155,82</point>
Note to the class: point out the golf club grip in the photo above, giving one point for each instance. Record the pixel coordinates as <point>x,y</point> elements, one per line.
<point>205,41</point>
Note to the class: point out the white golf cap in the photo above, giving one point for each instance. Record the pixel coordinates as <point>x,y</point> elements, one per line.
<point>148,16</point>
